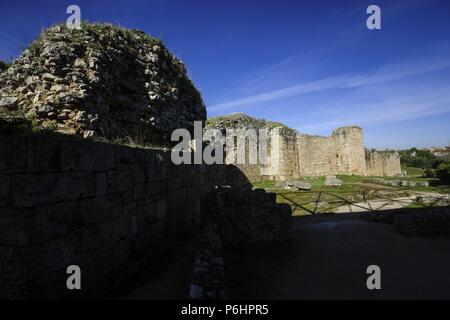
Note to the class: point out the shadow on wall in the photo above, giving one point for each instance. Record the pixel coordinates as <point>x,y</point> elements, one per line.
<point>107,208</point>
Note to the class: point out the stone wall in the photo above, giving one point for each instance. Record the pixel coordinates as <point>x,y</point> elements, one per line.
<point>383,163</point>
<point>107,208</point>
<point>235,218</point>
<point>429,221</point>
<point>293,155</point>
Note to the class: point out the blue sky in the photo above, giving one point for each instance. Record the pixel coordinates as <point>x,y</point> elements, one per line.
<point>312,65</point>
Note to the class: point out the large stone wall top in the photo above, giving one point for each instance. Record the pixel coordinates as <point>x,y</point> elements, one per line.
<point>101,80</point>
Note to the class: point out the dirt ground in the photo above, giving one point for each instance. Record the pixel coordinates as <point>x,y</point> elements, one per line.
<point>328,260</point>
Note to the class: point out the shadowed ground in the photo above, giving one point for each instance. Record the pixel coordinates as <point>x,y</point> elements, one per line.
<point>328,260</point>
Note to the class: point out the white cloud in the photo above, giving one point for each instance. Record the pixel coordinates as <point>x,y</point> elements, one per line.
<point>392,109</point>
<point>383,74</point>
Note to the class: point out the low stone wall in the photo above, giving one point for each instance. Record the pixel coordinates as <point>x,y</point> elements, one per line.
<point>432,222</point>
<point>414,222</point>
<point>234,217</point>
<point>399,183</point>
<point>106,208</point>
<point>383,163</point>
<point>248,217</point>
<point>208,279</point>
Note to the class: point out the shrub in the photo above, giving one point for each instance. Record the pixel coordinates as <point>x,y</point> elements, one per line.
<point>429,173</point>
<point>443,172</point>
<point>418,158</point>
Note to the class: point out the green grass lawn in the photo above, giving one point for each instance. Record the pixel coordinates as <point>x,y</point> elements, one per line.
<point>412,171</point>
<point>352,189</point>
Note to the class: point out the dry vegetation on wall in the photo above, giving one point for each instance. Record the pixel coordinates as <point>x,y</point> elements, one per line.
<point>241,120</point>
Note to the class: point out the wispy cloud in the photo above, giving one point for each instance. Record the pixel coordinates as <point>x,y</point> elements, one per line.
<point>383,74</point>
<point>391,109</point>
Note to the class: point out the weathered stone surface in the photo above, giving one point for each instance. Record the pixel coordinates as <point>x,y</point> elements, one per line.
<point>100,209</point>
<point>33,189</point>
<point>248,217</point>
<point>332,181</point>
<point>55,221</point>
<point>101,188</point>
<point>120,180</point>
<point>13,153</point>
<point>44,155</point>
<point>116,86</point>
<point>292,154</point>
<point>15,226</point>
<point>4,190</point>
<point>61,212</point>
<point>161,208</point>
<point>78,155</point>
<point>431,222</point>
<point>298,185</point>
<point>8,102</point>
<point>400,183</point>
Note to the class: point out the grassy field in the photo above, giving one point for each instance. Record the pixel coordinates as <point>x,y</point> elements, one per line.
<point>354,189</point>
<point>412,171</point>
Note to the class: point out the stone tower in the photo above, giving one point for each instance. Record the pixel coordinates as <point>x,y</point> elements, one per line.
<point>350,153</point>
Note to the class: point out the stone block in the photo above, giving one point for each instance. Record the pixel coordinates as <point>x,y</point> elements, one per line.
<point>175,183</point>
<point>100,210</point>
<point>122,228</point>
<point>120,181</point>
<point>14,273</point>
<point>124,155</point>
<point>177,199</point>
<point>147,215</point>
<point>102,184</point>
<point>161,208</point>
<point>139,191</point>
<point>332,181</point>
<point>13,153</point>
<point>44,154</point>
<point>51,257</point>
<point>55,221</point>
<point>127,197</point>
<point>298,185</point>
<point>155,188</point>
<point>139,173</point>
<point>5,187</point>
<point>96,236</point>
<point>15,226</point>
<point>29,190</point>
<point>78,155</point>
<point>96,267</point>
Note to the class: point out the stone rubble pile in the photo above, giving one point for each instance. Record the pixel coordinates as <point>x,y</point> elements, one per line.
<point>102,81</point>
<point>400,183</point>
<point>294,185</point>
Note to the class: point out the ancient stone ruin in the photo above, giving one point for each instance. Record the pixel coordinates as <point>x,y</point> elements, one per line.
<point>292,154</point>
<point>101,81</point>
<point>112,209</point>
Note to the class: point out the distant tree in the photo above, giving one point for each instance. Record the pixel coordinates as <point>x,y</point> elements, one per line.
<point>418,158</point>
<point>443,172</point>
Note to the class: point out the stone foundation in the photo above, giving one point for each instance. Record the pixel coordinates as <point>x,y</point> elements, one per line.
<point>109,209</point>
